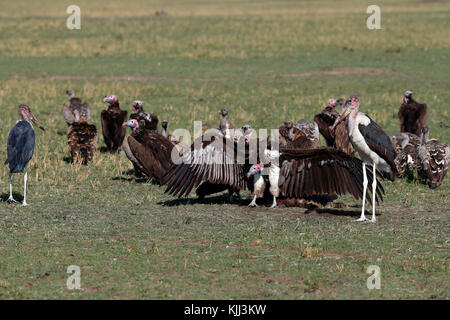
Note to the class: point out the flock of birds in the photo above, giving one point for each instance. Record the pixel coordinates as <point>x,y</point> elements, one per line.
<point>297,172</point>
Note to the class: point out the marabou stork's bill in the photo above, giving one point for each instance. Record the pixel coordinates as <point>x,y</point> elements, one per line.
<point>372,144</point>
<point>21,142</point>
<point>112,120</point>
<point>412,115</point>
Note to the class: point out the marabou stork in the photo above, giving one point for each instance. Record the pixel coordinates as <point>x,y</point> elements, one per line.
<point>21,142</point>
<point>372,144</point>
<point>112,120</point>
<point>412,115</point>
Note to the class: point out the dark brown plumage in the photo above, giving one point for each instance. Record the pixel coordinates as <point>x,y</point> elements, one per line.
<point>150,120</point>
<point>151,151</point>
<point>112,120</point>
<point>82,138</point>
<point>300,172</point>
<point>208,163</point>
<point>338,138</point>
<point>406,149</point>
<point>433,162</point>
<point>321,171</point>
<point>412,115</point>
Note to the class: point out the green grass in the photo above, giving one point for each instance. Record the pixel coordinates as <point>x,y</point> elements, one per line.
<point>267,62</point>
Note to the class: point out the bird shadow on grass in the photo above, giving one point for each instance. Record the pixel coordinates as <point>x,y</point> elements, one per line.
<point>223,199</point>
<point>104,149</point>
<point>17,196</point>
<point>132,178</point>
<point>68,159</point>
<point>338,212</point>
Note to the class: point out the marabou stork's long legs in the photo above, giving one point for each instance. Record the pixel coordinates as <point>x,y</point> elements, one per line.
<point>25,177</point>
<point>365,182</point>
<point>374,189</point>
<point>11,198</point>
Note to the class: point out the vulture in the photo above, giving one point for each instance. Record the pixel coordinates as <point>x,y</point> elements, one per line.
<point>311,131</point>
<point>213,147</point>
<point>339,138</point>
<point>112,120</point>
<point>151,152</point>
<point>426,156</point>
<point>150,120</point>
<point>433,160</point>
<point>290,136</point>
<point>81,136</point>
<point>75,110</point>
<point>372,144</point>
<point>20,148</point>
<point>292,173</point>
<point>147,121</point>
<point>406,149</point>
<point>412,115</point>
<point>225,126</point>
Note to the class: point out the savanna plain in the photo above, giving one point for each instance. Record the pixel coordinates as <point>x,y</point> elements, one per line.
<point>266,62</point>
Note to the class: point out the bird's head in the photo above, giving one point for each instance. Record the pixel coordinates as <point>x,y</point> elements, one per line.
<point>70,93</point>
<point>255,169</point>
<point>138,106</point>
<point>407,96</point>
<point>332,103</point>
<point>164,124</point>
<point>27,115</point>
<point>288,124</point>
<point>247,131</point>
<point>110,99</point>
<point>350,105</point>
<point>223,112</point>
<point>132,123</point>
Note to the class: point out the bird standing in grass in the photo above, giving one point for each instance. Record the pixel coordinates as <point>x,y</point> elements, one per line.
<point>21,142</point>
<point>81,136</point>
<point>412,115</point>
<point>373,145</point>
<point>112,120</point>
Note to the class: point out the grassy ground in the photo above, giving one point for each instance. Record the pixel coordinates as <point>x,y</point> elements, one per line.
<point>267,62</point>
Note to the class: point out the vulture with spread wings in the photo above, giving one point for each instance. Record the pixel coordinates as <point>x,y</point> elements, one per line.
<point>293,173</point>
